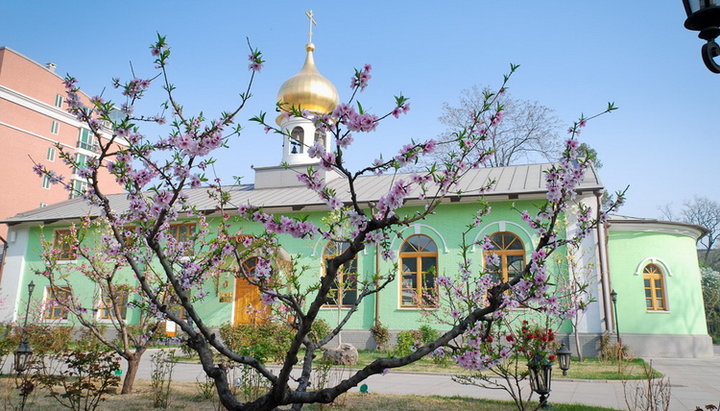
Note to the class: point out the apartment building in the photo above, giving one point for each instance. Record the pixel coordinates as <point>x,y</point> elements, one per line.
<point>33,121</point>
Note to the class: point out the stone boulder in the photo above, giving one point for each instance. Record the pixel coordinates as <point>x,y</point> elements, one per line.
<point>344,354</point>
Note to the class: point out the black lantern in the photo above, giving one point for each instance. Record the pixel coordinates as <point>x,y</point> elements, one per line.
<point>704,16</point>
<point>563,356</point>
<point>24,353</point>
<point>540,379</point>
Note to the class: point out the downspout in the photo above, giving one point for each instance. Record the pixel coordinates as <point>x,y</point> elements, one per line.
<point>2,256</point>
<point>602,253</point>
<point>377,284</point>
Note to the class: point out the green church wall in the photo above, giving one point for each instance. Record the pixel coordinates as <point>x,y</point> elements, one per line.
<point>629,252</point>
<point>444,227</point>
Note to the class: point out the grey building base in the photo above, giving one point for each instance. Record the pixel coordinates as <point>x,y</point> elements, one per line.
<point>647,345</point>
<point>640,345</point>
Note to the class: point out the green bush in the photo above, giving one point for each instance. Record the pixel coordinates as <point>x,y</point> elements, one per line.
<point>266,341</point>
<point>428,334</point>
<point>408,341</point>
<point>320,329</point>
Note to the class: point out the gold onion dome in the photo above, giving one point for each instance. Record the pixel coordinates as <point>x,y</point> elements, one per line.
<point>308,89</point>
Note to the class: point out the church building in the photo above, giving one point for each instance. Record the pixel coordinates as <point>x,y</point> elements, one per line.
<point>643,273</point>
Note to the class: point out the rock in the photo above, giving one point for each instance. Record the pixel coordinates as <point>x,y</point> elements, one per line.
<point>344,354</point>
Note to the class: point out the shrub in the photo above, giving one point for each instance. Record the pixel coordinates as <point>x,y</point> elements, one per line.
<point>44,338</point>
<point>428,334</point>
<point>266,341</point>
<point>320,330</point>
<point>162,364</point>
<point>406,343</point>
<point>86,340</point>
<point>613,351</point>
<point>86,379</point>
<point>381,335</point>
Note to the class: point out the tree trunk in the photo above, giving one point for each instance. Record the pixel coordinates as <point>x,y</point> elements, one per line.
<point>133,364</point>
<point>577,340</point>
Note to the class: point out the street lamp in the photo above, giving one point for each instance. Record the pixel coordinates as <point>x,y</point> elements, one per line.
<point>704,16</point>
<point>563,356</point>
<point>613,297</point>
<point>540,378</point>
<point>24,353</point>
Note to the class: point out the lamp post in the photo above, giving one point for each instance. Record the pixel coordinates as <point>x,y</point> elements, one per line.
<point>613,297</point>
<point>23,353</point>
<point>563,356</point>
<point>704,16</point>
<point>540,378</point>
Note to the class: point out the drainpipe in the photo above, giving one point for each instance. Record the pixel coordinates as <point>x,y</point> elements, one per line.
<point>602,254</point>
<point>2,256</point>
<point>377,283</point>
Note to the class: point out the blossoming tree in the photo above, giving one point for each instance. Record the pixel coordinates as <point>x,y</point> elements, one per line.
<point>156,174</point>
<point>114,291</point>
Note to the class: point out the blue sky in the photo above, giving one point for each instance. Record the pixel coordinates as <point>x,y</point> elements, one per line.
<point>574,57</point>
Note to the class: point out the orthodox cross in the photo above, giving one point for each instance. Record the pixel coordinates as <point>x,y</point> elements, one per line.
<point>310,16</point>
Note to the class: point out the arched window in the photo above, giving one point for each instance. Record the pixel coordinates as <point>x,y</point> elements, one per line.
<point>511,255</point>
<point>320,137</point>
<point>418,269</point>
<point>655,299</point>
<point>297,137</point>
<point>344,289</point>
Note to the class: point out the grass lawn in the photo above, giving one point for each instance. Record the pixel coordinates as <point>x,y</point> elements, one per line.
<point>187,396</point>
<point>590,369</point>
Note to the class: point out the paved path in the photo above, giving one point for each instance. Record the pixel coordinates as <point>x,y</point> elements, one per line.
<point>693,382</point>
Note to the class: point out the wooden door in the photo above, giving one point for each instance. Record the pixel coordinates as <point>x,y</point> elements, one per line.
<point>249,308</point>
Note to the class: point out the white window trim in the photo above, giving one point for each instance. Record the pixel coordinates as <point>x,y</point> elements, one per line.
<point>46,182</point>
<point>55,127</point>
<point>51,154</point>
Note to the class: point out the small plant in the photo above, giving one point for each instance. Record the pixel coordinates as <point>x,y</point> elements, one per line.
<point>86,378</point>
<point>612,350</point>
<point>162,367</point>
<point>381,335</point>
<point>206,388</point>
<point>250,384</point>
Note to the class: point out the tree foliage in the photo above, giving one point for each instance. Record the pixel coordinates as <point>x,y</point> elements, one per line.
<point>704,212</point>
<point>529,131</point>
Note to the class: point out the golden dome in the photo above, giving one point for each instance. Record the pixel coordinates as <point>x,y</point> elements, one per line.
<point>308,89</point>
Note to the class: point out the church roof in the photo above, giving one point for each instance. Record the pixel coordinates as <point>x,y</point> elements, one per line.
<point>627,223</point>
<point>511,182</point>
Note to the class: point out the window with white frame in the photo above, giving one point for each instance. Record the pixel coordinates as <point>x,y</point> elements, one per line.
<point>50,154</point>
<point>79,188</point>
<point>54,127</point>
<point>58,100</point>
<point>46,182</point>
<point>85,140</point>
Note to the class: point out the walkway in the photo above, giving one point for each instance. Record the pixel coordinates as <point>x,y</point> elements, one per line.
<point>694,382</point>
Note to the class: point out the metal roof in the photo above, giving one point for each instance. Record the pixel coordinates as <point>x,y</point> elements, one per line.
<point>511,180</point>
